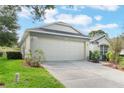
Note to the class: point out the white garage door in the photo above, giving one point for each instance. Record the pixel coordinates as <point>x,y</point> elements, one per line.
<point>59,49</point>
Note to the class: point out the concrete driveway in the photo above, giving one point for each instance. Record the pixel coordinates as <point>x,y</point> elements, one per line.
<point>85,74</point>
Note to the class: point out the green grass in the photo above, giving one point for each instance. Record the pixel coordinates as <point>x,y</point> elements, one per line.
<point>29,77</point>
<point>121,64</point>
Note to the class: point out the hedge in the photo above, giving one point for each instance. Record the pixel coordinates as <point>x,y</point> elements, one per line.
<point>1,54</point>
<point>14,55</point>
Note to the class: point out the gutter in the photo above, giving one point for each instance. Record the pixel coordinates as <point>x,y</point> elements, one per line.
<point>50,33</point>
<point>59,34</point>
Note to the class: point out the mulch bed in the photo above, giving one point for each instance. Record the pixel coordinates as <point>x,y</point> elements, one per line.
<point>29,65</point>
<point>26,64</point>
<point>2,85</point>
<point>114,66</point>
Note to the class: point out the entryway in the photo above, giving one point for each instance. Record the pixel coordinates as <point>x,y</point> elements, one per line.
<point>103,51</point>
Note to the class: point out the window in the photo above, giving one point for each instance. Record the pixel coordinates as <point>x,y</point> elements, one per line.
<point>103,51</point>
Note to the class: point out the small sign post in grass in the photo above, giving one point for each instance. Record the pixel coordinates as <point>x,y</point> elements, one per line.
<point>17,77</point>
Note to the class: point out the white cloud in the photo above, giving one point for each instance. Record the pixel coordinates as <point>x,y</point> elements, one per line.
<point>106,26</point>
<point>73,8</point>
<point>99,27</point>
<point>69,8</point>
<point>98,17</point>
<point>53,16</point>
<point>77,19</point>
<point>25,13</point>
<point>100,7</point>
<point>105,7</point>
<point>51,12</point>
<point>50,15</point>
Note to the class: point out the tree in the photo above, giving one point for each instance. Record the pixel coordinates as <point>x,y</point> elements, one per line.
<point>122,40</point>
<point>8,21</point>
<point>8,25</point>
<point>8,39</point>
<point>116,46</point>
<point>38,11</point>
<point>97,32</point>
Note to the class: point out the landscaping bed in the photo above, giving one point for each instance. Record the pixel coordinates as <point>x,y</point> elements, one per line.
<point>30,77</point>
<point>119,66</point>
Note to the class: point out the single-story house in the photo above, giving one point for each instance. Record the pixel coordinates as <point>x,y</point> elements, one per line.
<point>100,43</point>
<point>122,52</point>
<point>59,42</point>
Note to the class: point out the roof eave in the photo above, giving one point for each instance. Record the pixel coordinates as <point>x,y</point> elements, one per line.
<point>23,38</point>
<point>58,34</point>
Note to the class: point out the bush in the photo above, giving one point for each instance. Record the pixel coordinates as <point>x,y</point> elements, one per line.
<point>14,55</point>
<point>109,55</point>
<point>1,54</point>
<point>35,59</point>
<point>90,55</point>
<point>94,56</point>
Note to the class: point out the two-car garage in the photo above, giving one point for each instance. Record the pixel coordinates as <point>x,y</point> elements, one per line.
<point>58,41</point>
<point>57,48</point>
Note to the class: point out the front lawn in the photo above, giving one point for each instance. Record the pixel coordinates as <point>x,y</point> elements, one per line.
<point>29,77</point>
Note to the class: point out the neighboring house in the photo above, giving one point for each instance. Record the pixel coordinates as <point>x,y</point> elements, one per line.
<point>122,52</point>
<point>59,41</point>
<point>100,43</point>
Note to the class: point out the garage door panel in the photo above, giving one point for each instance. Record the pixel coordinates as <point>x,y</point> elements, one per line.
<point>59,49</point>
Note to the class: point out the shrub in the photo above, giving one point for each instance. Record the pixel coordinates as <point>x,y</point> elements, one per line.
<point>113,57</point>
<point>109,55</point>
<point>121,55</point>
<point>14,55</point>
<point>90,55</point>
<point>1,54</point>
<point>28,57</point>
<point>95,56</point>
<point>35,59</point>
<point>121,58</point>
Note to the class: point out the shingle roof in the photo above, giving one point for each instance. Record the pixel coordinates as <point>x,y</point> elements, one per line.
<point>63,24</point>
<point>56,31</point>
<point>45,30</point>
<point>96,38</point>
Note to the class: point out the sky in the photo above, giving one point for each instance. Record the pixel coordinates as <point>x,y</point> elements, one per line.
<point>84,18</point>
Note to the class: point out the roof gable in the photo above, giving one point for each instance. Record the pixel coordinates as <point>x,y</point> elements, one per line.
<point>98,37</point>
<point>61,26</point>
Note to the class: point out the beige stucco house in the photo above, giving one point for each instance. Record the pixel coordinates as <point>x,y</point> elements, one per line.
<point>100,43</point>
<point>59,42</point>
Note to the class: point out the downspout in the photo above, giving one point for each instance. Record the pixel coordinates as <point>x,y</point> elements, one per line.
<point>85,50</point>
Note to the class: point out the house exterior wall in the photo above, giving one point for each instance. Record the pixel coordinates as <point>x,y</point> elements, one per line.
<point>25,47</point>
<point>93,46</point>
<point>86,50</point>
<point>57,48</point>
<point>96,46</point>
<point>103,41</point>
